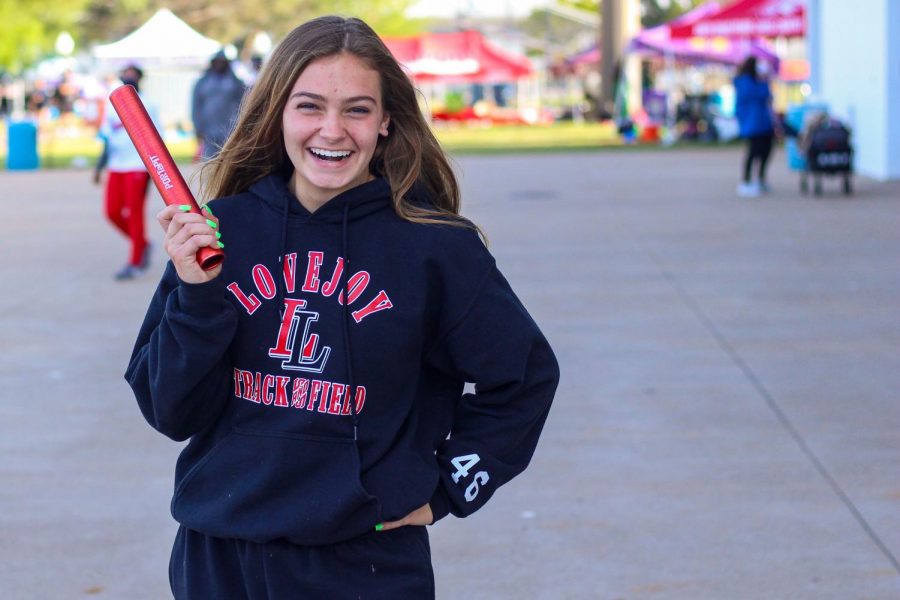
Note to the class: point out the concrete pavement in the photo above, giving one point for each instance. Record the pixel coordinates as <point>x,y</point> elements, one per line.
<point>726,426</point>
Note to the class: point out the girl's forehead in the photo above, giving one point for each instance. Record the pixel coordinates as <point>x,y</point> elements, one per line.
<point>339,70</point>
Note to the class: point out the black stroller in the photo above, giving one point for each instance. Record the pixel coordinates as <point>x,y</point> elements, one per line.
<point>825,143</point>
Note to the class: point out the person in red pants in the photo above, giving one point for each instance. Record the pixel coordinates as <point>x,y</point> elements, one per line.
<point>126,182</point>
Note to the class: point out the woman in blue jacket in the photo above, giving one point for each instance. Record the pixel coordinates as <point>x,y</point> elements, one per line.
<point>318,373</point>
<point>756,120</point>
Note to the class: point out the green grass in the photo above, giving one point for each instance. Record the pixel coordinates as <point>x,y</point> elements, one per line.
<point>519,138</point>
<point>82,150</point>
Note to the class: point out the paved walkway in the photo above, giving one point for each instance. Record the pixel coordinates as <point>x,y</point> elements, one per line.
<point>726,428</point>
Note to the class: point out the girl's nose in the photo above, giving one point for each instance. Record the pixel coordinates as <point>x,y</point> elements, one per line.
<point>332,127</point>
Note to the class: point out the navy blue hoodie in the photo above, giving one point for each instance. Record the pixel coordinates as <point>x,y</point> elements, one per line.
<point>262,367</point>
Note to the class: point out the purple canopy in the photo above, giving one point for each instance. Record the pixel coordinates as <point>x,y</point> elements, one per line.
<point>657,41</point>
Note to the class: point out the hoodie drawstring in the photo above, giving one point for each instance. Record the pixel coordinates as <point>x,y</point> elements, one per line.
<point>279,279</point>
<point>345,322</point>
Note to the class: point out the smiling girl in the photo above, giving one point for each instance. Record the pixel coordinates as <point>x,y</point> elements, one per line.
<point>319,372</point>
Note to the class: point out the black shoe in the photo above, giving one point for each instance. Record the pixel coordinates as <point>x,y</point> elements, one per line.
<point>127,272</point>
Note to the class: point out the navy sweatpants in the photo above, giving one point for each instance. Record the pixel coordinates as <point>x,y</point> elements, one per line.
<point>384,564</point>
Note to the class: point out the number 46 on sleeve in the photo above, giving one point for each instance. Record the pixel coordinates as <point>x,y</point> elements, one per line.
<point>463,464</point>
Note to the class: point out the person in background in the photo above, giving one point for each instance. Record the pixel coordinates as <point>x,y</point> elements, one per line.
<point>248,71</point>
<point>5,98</point>
<point>215,103</point>
<point>37,100</point>
<point>757,124</point>
<point>126,183</point>
<point>320,371</point>
<point>256,62</point>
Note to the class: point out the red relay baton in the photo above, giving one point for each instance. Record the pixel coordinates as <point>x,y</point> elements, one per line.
<point>159,162</point>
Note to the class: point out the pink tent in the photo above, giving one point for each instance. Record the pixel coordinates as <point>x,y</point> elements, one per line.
<point>656,35</point>
<point>658,41</point>
<point>749,19</point>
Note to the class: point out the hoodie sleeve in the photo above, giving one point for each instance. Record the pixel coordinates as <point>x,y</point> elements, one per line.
<point>497,346</point>
<point>179,369</point>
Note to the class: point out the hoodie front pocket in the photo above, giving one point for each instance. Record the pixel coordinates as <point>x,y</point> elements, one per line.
<point>261,486</point>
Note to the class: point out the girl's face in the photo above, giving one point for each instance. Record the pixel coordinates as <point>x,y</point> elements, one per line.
<point>331,124</point>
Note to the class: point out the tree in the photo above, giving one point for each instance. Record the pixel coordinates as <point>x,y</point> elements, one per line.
<point>29,28</point>
<point>237,20</point>
<point>657,12</point>
<point>554,34</point>
<point>105,21</point>
<point>653,12</point>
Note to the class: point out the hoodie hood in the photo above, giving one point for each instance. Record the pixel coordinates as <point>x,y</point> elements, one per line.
<point>362,200</point>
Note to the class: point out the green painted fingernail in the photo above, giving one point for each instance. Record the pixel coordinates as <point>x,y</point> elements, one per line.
<point>211,223</point>
<point>221,245</point>
<point>210,210</point>
<point>379,527</point>
<point>218,235</point>
<point>184,207</point>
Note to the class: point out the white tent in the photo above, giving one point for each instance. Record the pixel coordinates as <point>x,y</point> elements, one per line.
<point>172,56</point>
<point>164,39</point>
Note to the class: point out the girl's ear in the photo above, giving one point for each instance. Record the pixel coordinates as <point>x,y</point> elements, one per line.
<point>383,130</point>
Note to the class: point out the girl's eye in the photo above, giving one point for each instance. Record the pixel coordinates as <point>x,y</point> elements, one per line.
<point>306,106</point>
<point>360,110</point>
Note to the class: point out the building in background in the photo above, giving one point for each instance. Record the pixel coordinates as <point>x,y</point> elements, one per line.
<point>854,53</point>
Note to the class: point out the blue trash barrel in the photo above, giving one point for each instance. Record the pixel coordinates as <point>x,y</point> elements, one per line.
<point>22,154</point>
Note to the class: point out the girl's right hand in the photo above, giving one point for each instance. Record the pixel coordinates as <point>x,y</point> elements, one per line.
<point>187,232</point>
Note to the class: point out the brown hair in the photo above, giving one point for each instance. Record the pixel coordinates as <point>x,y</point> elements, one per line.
<point>409,156</point>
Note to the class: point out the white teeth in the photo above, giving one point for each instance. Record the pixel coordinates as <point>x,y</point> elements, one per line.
<point>330,153</point>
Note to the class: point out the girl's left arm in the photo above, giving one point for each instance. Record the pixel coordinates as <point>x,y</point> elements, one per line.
<point>496,345</point>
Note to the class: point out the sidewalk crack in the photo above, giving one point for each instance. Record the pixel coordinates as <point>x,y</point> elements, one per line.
<point>773,405</point>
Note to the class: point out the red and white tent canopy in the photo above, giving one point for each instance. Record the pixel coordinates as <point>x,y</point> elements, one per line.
<point>749,19</point>
<point>460,56</point>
